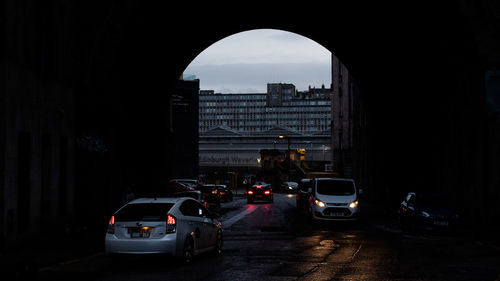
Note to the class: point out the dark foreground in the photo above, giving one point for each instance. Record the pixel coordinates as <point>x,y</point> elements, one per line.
<point>277,242</point>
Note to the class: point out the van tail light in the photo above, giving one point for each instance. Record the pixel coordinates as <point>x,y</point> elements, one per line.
<point>171,224</point>
<point>111,225</point>
<point>250,192</point>
<point>267,192</point>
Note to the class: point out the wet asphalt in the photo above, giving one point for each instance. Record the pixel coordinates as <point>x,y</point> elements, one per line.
<point>276,241</point>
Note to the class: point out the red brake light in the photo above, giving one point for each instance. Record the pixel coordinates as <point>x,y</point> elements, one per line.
<point>170,220</point>
<point>259,186</point>
<point>267,192</point>
<point>111,225</point>
<point>171,224</point>
<point>250,192</point>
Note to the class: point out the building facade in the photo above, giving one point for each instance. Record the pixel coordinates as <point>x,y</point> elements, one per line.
<point>235,127</point>
<point>252,113</point>
<point>349,125</point>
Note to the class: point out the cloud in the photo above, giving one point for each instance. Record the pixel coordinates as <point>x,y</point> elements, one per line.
<point>240,78</point>
<point>263,46</point>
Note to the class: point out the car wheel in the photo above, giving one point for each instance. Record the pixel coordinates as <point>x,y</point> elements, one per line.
<point>188,252</point>
<point>298,205</point>
<point>219,241</point>
<point>271,200</point>
<point>249,201</point>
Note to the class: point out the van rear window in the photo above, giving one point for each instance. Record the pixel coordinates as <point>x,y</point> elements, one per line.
<point>335,187</point>
<point>144,212</point>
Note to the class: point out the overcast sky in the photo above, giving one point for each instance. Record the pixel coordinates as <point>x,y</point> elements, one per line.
<point>245,62</point>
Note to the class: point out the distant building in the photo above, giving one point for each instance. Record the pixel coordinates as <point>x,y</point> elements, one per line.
<point>248,113</point>
<point>234,127</point>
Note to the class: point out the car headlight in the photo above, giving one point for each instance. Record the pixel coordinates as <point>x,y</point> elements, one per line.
<point>353,204</point>
<point>424,214</point>
<point>319,203</point>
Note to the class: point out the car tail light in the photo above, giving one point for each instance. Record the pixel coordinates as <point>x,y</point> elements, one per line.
<point>259,186</point>
<point>171,224</point>
<point>267,192</point>
<point>250,192</point>
<point>297,197</point>
<point>111,225</point>
<point>214,191</point>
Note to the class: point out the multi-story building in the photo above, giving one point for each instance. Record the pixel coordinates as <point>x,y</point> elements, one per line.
<point>235,127</point>
<point>251,113</point>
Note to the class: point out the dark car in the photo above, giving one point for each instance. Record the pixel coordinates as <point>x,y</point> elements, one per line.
<point>225,193</point>
<point>426,211</point>
<point>173,187</point>
<point>289,187</point>
<point>303,192</point>
<point>260,190</point>
<point>210,193</point>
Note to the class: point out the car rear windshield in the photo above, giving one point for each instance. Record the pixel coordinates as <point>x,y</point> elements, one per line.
<point>144,212</point>
<point>335,187</point>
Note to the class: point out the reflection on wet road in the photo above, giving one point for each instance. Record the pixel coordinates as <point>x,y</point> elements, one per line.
<point>275,241</point>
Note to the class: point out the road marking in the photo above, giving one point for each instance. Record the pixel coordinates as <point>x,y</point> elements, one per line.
<point>227,224</point>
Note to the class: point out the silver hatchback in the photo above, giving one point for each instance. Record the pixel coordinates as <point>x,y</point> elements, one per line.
<point>180,227</point>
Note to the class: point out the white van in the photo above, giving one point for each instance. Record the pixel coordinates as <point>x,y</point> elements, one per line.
<point>334,199</point>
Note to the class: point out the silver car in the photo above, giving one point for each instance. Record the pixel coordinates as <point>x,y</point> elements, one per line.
<point>180,227</point>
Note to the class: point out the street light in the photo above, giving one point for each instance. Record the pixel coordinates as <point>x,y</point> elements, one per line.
<point>288,154</point>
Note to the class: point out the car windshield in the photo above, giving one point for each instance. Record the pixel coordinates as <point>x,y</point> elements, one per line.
<point>144,212</point>
<point>335,187</point>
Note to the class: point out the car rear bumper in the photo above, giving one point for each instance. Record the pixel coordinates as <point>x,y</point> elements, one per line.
<point>165,245</point>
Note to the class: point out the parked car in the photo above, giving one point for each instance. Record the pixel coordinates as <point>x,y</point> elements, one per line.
<point>195,194</point>
<point>173,187</point>
<point>426,211</point>
<point>188,182</point>
<point>225,193</point>
<point>260,190</point>
<point>333,199</point>
<point>304,190</point>
<point>210,193</point>
<point>179,227</point>
<point>289,187</point>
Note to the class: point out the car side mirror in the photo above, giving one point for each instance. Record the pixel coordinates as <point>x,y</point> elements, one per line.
<point>360,191</point>
<point>309,190</point>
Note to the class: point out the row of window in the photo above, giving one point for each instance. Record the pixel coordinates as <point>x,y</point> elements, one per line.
<point>263,103</point>
<point>298,128</point>
<point>322,116</point>
<point>324,109</point>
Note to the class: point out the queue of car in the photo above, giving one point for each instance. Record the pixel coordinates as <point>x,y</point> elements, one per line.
<point>181,224</point>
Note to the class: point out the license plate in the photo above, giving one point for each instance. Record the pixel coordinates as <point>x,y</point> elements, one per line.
<point>139,232</point>
<point>440,222</point>
<point>337,214</point>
